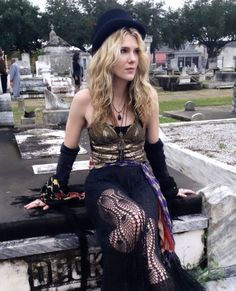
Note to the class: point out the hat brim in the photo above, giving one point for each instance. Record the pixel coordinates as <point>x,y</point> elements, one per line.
<point>111,26</point>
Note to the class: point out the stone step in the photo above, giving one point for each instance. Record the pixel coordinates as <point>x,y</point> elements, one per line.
<point>188,232</point>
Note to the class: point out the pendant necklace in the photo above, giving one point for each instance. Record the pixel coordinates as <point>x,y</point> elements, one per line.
<point>119,113</point>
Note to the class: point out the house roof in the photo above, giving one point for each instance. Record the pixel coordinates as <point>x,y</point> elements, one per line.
<point>231,44</point>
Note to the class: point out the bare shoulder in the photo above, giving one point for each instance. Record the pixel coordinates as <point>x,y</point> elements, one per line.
<point>154,99</point>
<point>82,97</point>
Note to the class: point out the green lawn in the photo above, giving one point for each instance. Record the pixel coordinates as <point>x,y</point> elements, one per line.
<point>164,106</point>
<point>172,105</point>
<point>179,104</point>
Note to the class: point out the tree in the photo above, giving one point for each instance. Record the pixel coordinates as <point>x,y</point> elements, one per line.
<point>150,14</point>
<point>210,23</point>
<point>172,33</point>
<point>19,22</point>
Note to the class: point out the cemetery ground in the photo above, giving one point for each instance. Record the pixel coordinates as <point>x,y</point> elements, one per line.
<point>168,101</point>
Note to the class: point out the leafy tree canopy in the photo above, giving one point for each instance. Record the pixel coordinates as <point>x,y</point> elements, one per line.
<point>211,23</point>
<point>19,22</point>
<point>208,22</point>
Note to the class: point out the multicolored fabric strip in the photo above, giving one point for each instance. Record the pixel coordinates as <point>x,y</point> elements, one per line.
<point>164,221</point>
<point>52,192</point>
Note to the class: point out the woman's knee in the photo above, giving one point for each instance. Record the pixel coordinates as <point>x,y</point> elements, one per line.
<point>126,216</point>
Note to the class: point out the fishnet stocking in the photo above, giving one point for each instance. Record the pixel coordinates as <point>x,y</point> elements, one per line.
<point>126,217</point>
<point>156,271</point>
<point>129,225</point>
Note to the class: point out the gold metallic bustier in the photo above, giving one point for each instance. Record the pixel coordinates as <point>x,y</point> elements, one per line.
<point>108,147</point>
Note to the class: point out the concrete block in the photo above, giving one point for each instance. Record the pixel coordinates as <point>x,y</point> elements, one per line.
<point>55,117</point>
<point>220,207</point>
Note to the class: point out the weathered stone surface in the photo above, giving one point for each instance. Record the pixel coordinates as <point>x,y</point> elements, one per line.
<point>43,270</point>
<point>222,285</point>
<point>38,143</point>
<point>27,121</point>
<point>189,106</point>
<point>220,207</point>
<point>55,117</point>
<point>190,223</point>
<point>51,168</point>
<point>14,275</point>
<point>189,247</point>
<point>203,150</point>
<point>52,101</point>
<point>6,114</point>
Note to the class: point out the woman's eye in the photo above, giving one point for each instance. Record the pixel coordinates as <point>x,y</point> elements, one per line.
<point>137,51</point>
<point>123,50</point>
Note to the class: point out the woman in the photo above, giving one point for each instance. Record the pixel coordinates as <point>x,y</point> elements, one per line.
<point>77,71</point>
<point>3,72</point>
<point>123,199</point>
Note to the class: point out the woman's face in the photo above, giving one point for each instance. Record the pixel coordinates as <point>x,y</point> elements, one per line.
<point>126,66</point>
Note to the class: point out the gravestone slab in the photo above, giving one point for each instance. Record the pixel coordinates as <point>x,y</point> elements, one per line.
<point>6,114</point>
<point>38,143</point>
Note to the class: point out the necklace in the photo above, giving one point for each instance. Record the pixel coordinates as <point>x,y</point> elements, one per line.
<point>119,116</point>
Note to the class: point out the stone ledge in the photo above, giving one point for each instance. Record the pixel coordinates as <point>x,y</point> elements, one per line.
<point>190,223</point>
<point>60,242</point>
<point>41,245</point>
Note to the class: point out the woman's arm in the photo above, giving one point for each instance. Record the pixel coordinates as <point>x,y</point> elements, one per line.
<point>154,149</point>
<point>75,124</point>
<point>152,134</point>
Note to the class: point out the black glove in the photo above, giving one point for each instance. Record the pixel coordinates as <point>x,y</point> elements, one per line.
<point>156,157</point>
<point>55,189</point>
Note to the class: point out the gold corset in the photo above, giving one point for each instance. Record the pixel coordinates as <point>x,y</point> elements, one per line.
<point>109,147</point>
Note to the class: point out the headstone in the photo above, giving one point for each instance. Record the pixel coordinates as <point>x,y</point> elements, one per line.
<point>6,114</point>
<point>189,106</point>
<point>220,208</point>
<point>184,78</point>
<point>62,86</point>
<point>32,87</point>
<point>198,116</point>
<point>52,101</point>
<point>24,64</point>
<point>56,109</point>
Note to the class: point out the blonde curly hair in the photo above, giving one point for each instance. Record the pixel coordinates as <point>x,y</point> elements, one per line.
<point>100,78</point>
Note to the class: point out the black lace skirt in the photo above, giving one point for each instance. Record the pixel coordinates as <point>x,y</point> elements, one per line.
<point>123,208</point>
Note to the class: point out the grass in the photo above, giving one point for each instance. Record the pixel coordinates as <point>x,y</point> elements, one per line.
<point>176,104</point>
<point>179,104</point>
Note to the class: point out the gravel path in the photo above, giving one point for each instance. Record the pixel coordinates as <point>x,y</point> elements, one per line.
<point>215,140</point>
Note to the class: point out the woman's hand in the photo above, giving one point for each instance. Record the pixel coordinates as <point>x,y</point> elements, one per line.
<point>185,192</point>
<point>36,203</point>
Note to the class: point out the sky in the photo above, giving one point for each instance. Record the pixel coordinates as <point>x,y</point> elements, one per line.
<point>174,4</point>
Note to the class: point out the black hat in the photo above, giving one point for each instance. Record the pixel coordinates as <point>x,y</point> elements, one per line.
<point>111,21</point>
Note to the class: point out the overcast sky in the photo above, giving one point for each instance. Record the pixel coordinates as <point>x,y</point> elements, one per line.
<point>172,3</point>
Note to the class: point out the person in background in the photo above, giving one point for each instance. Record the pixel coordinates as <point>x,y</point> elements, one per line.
<point>78,71</point>
<point>3,72</point>
<point>123,197</point>
<point>15,78</point>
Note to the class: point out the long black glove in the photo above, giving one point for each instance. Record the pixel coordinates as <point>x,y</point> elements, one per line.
<point>156,157</point>
<point>55,189</point>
